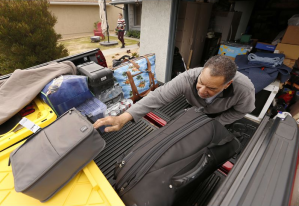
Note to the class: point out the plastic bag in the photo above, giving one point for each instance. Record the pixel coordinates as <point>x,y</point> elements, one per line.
<point>111,95</point>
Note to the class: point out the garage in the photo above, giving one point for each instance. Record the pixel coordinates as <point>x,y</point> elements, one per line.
<point>259,28</point>
<point>202,29</point>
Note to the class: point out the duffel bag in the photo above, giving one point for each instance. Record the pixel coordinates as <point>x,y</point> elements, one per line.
<point>52,156</point>
<point>137,77</point>
<point>66,92</point>
<point>125,58</point>
<point>166,165</point>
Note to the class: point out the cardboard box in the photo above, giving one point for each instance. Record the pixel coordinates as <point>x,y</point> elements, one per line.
<point>291,36</point>
<point>232,58</point>
<point>265,46</point>
<point>233,49</point>
<point>289,62</point>
<point>290,51</point>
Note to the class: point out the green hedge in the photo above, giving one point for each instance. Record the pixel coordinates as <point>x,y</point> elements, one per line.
<point>27,36</point>
<point>133,33</point>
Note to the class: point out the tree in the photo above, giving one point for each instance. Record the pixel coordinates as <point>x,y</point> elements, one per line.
<point>27,36</point>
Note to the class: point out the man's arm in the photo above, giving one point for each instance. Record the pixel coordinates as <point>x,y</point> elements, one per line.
<point>155,99</point>
<point>244,106</point>
<point>230,116</point>
<point>161,96</point>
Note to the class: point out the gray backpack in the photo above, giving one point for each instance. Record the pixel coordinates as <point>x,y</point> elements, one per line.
<point>50,158</point>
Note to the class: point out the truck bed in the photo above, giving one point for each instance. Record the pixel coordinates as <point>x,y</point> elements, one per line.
<point>263,172</point>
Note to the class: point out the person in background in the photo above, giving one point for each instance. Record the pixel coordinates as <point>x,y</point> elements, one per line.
<point>224,93</point>
<point>121,25</point>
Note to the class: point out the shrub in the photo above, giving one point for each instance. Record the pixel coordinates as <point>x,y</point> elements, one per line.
<point>135,55</point>
<point>27,36</point>
<point>133,33</point>
<point>128,33</point>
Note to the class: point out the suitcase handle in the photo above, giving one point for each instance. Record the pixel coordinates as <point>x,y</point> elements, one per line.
<point>184,179</point>
<point>125,56</point>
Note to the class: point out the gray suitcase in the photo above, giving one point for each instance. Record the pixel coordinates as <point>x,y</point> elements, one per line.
<point>50,158</point>
<point>165,166</point>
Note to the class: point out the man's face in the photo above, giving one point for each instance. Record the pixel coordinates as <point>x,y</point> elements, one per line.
<point>208,86</point>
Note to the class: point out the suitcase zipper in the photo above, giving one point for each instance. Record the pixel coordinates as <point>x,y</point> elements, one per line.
<point>127,157</point>
<point>147,159</point>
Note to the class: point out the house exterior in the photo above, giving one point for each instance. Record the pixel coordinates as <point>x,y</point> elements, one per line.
<point>157,34</point>
<point>158,28</point>
<point>158,21</point>
<point>76,18</point>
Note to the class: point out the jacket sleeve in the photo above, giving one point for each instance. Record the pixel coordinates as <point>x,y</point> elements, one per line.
<point>244,105</point>
<point>161,96</point>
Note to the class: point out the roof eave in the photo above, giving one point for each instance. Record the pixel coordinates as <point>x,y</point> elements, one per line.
<point>74,3</point>
<point>125,2</point>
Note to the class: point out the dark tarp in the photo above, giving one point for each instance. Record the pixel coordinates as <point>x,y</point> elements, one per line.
<point>261,74</point>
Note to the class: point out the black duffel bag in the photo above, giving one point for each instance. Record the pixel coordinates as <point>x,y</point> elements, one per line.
<point>125,58</point>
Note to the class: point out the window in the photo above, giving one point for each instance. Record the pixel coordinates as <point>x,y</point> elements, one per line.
<point>137,14</point>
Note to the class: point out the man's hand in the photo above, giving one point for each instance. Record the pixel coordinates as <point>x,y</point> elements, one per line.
<point>115,123</point>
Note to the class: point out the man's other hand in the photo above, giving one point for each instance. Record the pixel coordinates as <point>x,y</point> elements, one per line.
<point>114,123</point>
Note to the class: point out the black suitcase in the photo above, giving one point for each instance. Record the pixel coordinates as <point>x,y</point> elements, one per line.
<point>99,78</point>
<point>166,165</point>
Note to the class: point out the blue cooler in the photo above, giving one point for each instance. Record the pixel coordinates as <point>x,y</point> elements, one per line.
<point>66,92</point>
<point>93,109</point>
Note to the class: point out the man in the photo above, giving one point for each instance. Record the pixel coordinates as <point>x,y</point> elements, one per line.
<point>121,24</point>
<point>223,92</point>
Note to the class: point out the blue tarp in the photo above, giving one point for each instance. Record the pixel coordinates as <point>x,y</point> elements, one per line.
<point>66,92</point>
<point>262,74</point>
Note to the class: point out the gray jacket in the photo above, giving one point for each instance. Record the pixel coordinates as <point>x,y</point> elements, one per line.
<point>232,103</point>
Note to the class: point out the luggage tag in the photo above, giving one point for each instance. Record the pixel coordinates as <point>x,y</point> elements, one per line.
<point>29,125</point>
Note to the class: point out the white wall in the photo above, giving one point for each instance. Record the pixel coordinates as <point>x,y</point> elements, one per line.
<point>78,20</point>
<point>246,8</point>
<point>155,23</point>
<point>131,15</point>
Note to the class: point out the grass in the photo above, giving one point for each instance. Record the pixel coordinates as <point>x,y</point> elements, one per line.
<point>79,45</point>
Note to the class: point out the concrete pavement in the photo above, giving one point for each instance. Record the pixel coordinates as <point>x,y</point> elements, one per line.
<point>120,50</point>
